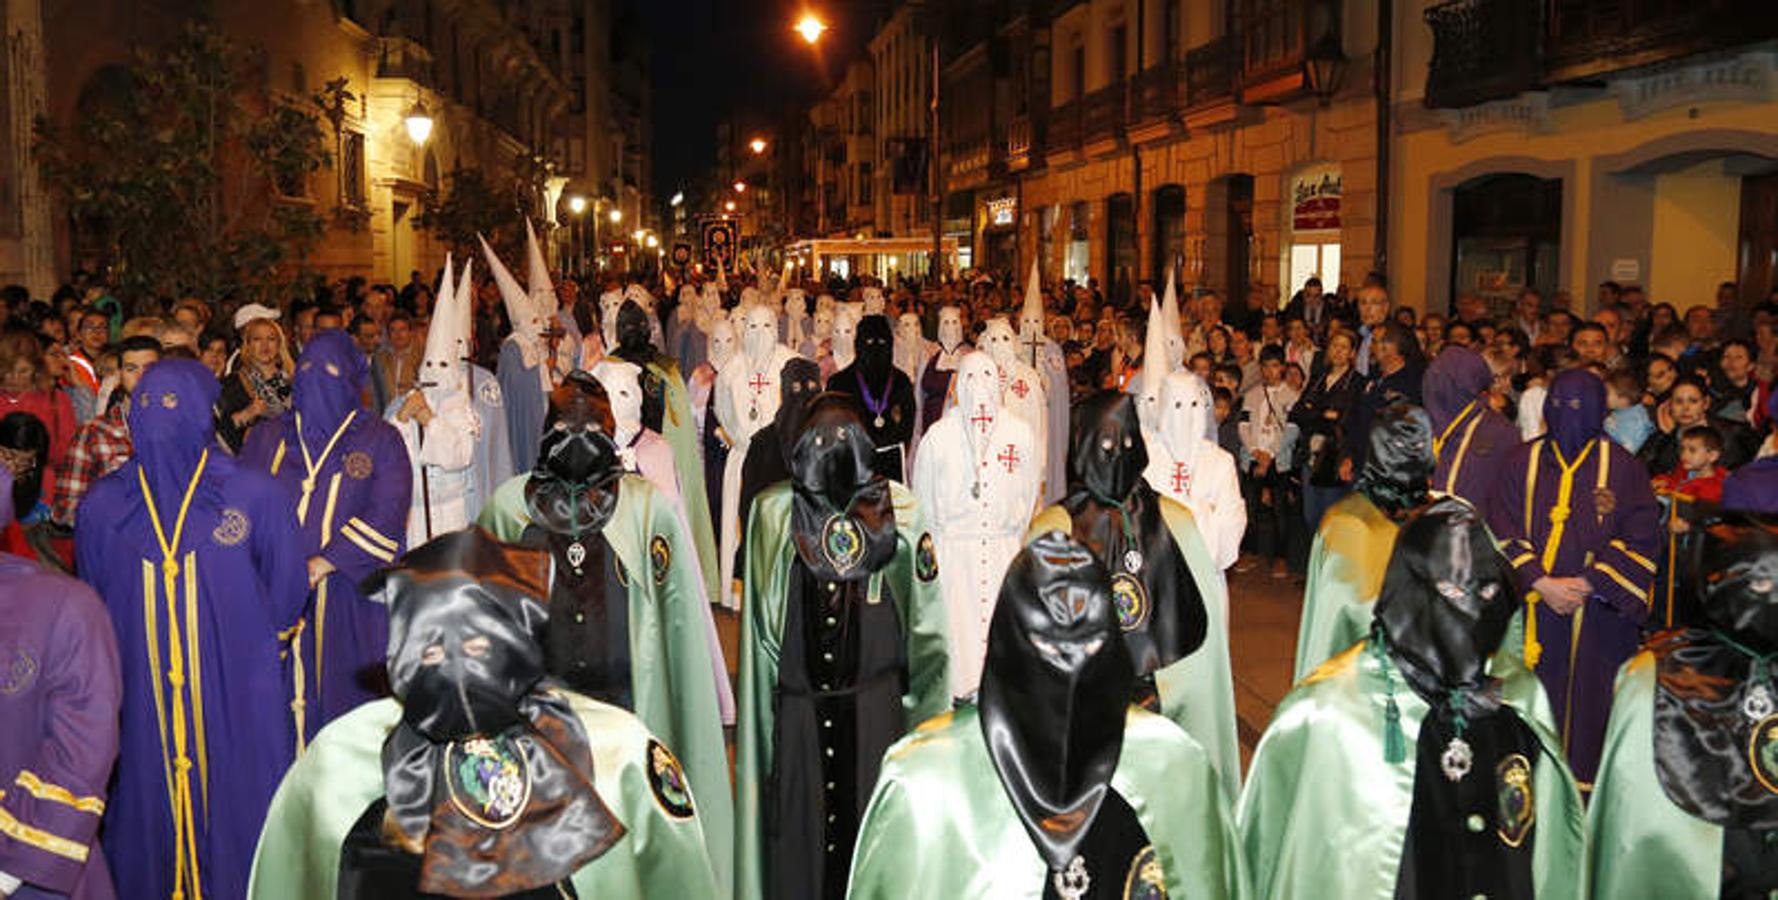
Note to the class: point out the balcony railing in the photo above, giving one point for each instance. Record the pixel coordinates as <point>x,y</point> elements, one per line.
<point>1103,116</point>
<point>1483,50</point>
<point>1158,92</point>
<point>1210,72</point>
<point>1066,125</point>
<point>1490,49</point>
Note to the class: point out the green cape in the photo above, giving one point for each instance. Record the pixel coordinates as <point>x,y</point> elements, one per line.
<point>1643,845</point>
<point>1324,816</point>
<point>671,672</point>
<point>341,775</point>
<point>919,606</point>
<point>1197,692</point>
<point>940,823</point>
<point>1346,565</point>
<point>680,430</point>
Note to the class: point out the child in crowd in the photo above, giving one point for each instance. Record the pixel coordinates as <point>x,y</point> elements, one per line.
<point>1698,479</point>
<point>1628,423</point>
<point>1228,435</point>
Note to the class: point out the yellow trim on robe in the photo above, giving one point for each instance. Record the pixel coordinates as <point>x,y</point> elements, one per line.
<point>42,840</point>
<point>1641,560</point>
<point>44,790</point>
<point>372,533</point>
<point>278,457</point>
<point>353,534</point>
<point>1623,582</point>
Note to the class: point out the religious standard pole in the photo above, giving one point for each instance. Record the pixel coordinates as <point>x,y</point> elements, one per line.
<point>933,156</point>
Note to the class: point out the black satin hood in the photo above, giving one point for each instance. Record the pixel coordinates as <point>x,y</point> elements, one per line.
<point>1397,473</point>
<point>1055,692</point>
<point>875,346</point>
<point>1713,760</point>
<point>633,334</point>
<point>842,510</point>
<point>573,488</point>
<point>1446,602</point>
<point>465,662</point>
<point>798,383</point>
<point>1106,453</point>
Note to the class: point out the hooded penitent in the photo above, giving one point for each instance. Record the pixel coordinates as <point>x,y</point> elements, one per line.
<point>999,341</point>
<point>447,338</point>
<point>525,313</point>
<point>538,287</point>
<point>759,335</point>
<point>1053,701</point>
<point>634,345</point>
<point>768,453</point>
<point>1154,374</point>
<point>950,329</point>
<point>172,426</point>
<point>1446,603</point>
<point>724,343</point>
<point>621,382</point>
<point>489,775</point>
<point>1397,473</point>
<point>1031,336</point>
<point>1454,381</point>
<point>910,345</point>
<point>1469,438</point>
<point>976,388</point>
<point>873,373</point>
<point>609,303</point>
<point>1170,325</point>
<point>1574,410</point>
<point>842,515</point>
<point>328,386</point>
<point>844,343</point>
<point>1118,516</point>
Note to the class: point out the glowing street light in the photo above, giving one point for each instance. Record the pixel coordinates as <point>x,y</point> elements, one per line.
<point>811,28</point>
<point>678,198</point>
<point>638,235</point>
<point>652,241</point>
<point>740,187</point>
<point>617,215</point>
<point>577,204</point>
<point>418,122</point>
<point>730,206</point>
<point>757,145</point>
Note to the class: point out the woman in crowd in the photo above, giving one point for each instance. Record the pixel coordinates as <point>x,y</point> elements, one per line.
<point>1321,415</point>
<point>259,387</point>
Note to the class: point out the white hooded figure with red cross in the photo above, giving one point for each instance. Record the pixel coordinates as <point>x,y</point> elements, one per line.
<point>977,477</point>
<point>747,396</point>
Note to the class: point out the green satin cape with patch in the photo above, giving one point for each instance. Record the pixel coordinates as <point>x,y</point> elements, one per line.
<point>341,775</point>
<point>940,823</point>
<point>680,430</point>
<point>671,672</point>
<point>1197,692</point>
<point>1324,816</point>
<point>766,579</point>
<point>1643,845</point>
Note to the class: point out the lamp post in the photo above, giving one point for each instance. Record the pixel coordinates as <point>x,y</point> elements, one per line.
<point>418,122</point>
<point>577,208</point>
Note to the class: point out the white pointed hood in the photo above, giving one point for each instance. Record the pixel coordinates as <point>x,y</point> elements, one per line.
<point>759,336</point>
<point>1187,415</point>
<point>447,340</point>
<point>1031,316</point>
<point>910,345</point>
<point>622,381</point>
<point>976,392</point>
<point>609,303</point>
<point>526,317</point>
<point>1175,343</point>
<point>843,345</point>
<point>1154,372</point>
<point>999,342</point>
<point>538,286</point>
<point>724,342</point>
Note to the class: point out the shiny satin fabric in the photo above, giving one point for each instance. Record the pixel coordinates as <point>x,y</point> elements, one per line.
<point>329,384</point>
<point>1397,473</point>
<point>798,383</point>
<point>1322,815</point>
<point>1347,560</point>
<point>1106,452</point>
<point>466,664</point>
<point>1054,689</point>
<point>843,515</point>
<point>1574,410</point>
<point>876,349</point>
<point>941,826</point>
<point>573,489</point>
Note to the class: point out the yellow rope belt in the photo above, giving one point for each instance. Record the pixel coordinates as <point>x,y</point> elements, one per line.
<point>182,663</point>
<point>1438,444</point>
<point>312,466</point>
<point>1558,517</point>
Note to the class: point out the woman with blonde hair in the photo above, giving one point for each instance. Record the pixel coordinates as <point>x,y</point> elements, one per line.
<point>258,386</point>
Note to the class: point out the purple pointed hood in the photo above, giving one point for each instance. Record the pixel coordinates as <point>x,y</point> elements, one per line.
<point>329,383</point>
<point>172,422</point>
<point>1456,377</point>
<point>1574,410</point>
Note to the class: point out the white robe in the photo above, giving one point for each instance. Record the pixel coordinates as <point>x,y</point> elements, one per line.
<point>1021,392</point>
<point>443,466</point>
<point>976,537</point>
<point>747,397</point>
<point>1053,371</point>
<point>1207,484</point>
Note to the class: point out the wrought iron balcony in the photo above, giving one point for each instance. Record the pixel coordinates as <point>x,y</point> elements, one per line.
<point>1103,114</point>
<point>1483,50</point>
<point>1210,72</point>
<point>1158,92</point>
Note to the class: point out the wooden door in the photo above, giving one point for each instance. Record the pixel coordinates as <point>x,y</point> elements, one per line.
<point>1759,238</point>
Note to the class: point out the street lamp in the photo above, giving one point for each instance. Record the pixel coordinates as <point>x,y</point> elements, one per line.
<point>577,204</point>
<point>617,216</point>
<point>678,198</point>
<point>740,187</point>
<point>418,122</point>
<point>652,241</point>
<point>1325,68</point>
<point>811,28</point>
<point>757,145</point>
<point>577,208</point>
<point>730,206</point>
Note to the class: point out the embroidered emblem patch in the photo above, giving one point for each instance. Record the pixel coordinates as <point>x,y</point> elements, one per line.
<point>1145,881</point>
<point>667,780</point>
<point>1604,501</point>
<point>660,558</point>
<point>232,529</point>
<point>18,670</point>
<point>842,542</point>
<point>489,780</point>
<point>1130,599</point>
<point>489,392</point>
<point>358,465</point>
<point>925,559</point>
<point>1518,809</point>
<point>1762,753</point>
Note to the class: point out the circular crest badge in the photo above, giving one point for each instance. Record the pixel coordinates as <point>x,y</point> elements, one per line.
<point>489,392</point>
<point>1145,880</point>
<point>660,558</point>
<point>666,779</point>
<point>926,559</point>
<point>1518,807</point>
<point>1762,753</point>
<point>1130,599</point>
<point>358,465</point>
<point>489,780</point>
<point>18,670</point>
<point>842,542</point>
<point>232,528</point>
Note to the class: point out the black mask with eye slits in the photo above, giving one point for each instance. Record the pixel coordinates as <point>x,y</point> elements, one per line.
<point>875,343</point>
<point>1106,452</point>
<point>843,512</point>
<point>798,383</point>
<point>1397,474</point>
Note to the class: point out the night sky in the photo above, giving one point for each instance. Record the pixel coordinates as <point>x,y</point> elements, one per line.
<point>714,57</point>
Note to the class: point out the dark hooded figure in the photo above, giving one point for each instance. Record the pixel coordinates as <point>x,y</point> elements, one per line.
<point>1351,548</point>
<point>1050,785</point>
<point>1165,586</point>
<point>634,345</point>
<point>885,393</point>
<point>1469,437</point>
<point>350,490</point>
<point>493,781</point>
<point>200,565</point>
<point>843,650</point>
<point>1579,523</point>
<point>1434,777</point>
<point>768,453</point>
<point>1687,797</point>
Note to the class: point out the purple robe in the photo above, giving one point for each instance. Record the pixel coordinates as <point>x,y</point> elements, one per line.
<point>1753,487</point>
<point>1470,438</point>
<point>1614,551</point>
<point>215,739</point>
<point>355,518</point>
<point>58,699</point>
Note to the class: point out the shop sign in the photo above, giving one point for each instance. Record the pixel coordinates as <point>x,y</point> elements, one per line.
<point>1315,200</point>
<point>1002,211</point>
